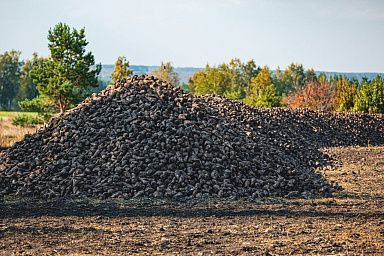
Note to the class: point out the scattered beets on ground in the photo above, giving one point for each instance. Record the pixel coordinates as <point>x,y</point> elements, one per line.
<point>143,137</point>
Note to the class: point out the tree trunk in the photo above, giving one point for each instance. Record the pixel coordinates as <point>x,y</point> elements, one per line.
<point>61,105</point>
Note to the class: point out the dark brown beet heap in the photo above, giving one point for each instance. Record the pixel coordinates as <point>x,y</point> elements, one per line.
<point>142,137</point>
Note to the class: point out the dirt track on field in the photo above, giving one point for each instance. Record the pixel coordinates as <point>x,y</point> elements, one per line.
<point>350,223</point>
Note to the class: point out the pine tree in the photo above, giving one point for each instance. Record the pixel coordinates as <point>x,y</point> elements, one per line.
<point>65,76</point>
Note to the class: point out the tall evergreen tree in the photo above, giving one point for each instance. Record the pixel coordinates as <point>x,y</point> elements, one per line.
<point>66,75</point>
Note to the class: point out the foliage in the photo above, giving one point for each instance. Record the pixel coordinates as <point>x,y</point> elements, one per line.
<point>27,89</point>
<point>262,92</point>
<point>199,84</point>
<point>310,75</point>
<point>185,87</point>
<point>101,84</point>
<point>370,96</point>
<point>25,120</point>
<point>316,95</point>
<point>211,80</point>
<point>41,104</point>
<point>345,94</point>
<point>166,73</point>
<point>292,79</point>
<point>280,86</point>
<point>293,87</point>
<point>240,76</point>
<point>121,69</point>
<point>231,80</point>
<point>9,78</point>
<point>68,72</point>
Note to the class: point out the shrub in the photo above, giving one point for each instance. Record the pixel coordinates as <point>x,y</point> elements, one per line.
<point>25,120</point>
<point>315,95</point>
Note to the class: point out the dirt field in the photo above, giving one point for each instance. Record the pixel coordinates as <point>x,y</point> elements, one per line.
<point>350,223</point>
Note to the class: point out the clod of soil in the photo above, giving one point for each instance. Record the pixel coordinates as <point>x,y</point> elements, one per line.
<point>143,137</point>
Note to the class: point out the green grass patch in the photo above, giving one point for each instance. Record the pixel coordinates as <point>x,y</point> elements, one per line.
<point>15,113</point>
<point>24,120</point>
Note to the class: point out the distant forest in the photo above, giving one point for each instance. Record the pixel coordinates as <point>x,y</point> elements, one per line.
<point>257,86</point>
<point>185,73</point>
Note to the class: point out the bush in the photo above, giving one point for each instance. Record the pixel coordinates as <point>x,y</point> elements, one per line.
<point>25,120</point>
<point>315,95</point>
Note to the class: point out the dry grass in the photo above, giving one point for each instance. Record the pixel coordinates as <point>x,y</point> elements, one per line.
<point>9,134</point>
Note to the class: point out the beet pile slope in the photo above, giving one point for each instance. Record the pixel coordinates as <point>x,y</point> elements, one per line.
<point>142,137</point>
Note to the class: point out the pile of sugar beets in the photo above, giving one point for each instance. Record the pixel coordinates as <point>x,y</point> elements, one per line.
<point>141,137</point>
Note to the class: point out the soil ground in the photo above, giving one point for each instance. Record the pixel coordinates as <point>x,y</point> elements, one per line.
<point>349,223</point>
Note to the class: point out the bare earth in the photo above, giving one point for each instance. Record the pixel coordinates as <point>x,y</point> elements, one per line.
<point>350,223</point>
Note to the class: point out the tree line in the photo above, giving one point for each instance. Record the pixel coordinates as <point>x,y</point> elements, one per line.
<point>69,74</point>
<point>293,87</point>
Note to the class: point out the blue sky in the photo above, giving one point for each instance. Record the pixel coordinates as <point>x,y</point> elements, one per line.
<point>329,35</point>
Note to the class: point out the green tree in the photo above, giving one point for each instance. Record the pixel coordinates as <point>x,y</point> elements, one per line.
<point>240,76</point>
<point>166,73</point>
<point>249,71</point>
<point>233,71</point>
<point>345,94</point>
<point>278,81</point>
<point>370,96</point>
<point>121,69</point>
<point>65,76</point>
<point>310,75</point>
<point>322,78</point>
<point>9,78</point>
<point>185,87</point>
<point>293,78</point>
<point>230,80</point>
<point>28,89</point>
<point>262,92</point>
<point>210,80</point>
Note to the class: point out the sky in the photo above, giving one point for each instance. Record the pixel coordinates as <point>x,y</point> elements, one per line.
<point>327,35</point>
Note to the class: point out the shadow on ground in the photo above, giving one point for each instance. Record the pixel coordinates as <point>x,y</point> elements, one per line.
<point>118,208</point>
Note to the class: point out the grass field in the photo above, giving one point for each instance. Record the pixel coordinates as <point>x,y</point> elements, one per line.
<point>9,133</point>
<point>349,223</point>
